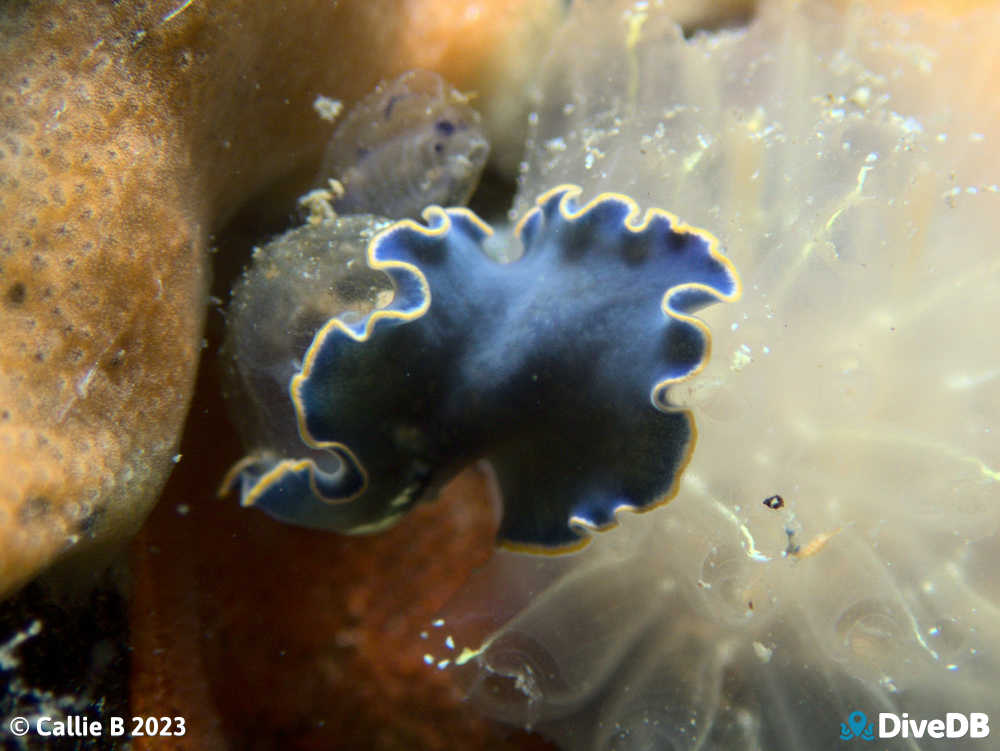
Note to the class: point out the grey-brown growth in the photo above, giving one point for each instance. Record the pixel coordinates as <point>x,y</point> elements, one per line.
<point>413,142</point>
<point>295,284</point>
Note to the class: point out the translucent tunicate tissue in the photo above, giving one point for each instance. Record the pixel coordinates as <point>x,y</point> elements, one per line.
<point>833,547</point>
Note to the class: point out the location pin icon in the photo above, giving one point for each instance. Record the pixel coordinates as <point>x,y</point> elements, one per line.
<point>857,721</point>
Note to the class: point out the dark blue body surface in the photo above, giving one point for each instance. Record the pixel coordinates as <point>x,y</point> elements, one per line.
<point>553,367</point>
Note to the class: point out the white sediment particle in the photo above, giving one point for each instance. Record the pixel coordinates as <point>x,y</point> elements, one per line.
<point>692,159</point>
<point>556,144</point>
<point>763,653</point>
<point>83,383</point>
<point>328,109</point>
<point>593,154</point>
<point>741,358</point>
<point>7,659</point>
<point>471,654</point>
<point>749,544</point>
<point>861,96</point>
<point>319,204</point>
<point>863,172</point>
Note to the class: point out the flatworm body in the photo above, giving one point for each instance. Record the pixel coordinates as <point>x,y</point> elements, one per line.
<point>554,367</point>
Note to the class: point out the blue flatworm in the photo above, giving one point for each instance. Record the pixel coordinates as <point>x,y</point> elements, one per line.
<point>553,367</point>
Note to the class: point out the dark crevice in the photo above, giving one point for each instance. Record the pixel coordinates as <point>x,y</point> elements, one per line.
<point>722,17</point>
<point>68,656</point>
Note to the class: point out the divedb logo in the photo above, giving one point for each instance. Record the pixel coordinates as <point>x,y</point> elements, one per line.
<point>952,725</point>
<point>857,726</point>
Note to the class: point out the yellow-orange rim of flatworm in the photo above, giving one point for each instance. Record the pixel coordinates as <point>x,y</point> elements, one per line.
<point>569,193</point>
<point>587,529</point>
<point>336,324</point>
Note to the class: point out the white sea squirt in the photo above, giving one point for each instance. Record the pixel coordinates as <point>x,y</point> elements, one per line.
<point>847,160</point>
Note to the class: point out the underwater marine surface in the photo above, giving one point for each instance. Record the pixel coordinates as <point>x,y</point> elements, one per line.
<point>413,142</point>
<point>856,186</point>
<point>554,367</point>
<point>413,139</point>
<point>296,283</point>
<point>129,132</point>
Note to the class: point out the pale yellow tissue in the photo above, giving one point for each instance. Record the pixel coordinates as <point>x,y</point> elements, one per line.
<point>848,160</point>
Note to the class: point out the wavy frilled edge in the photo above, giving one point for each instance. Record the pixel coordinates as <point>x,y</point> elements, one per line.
<point>411,300</point>
<point>564,198</point>
<point>567,195</point>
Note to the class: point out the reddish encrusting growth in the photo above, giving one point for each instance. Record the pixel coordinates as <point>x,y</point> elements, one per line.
<point>264,635</point>
<point>128,133</point>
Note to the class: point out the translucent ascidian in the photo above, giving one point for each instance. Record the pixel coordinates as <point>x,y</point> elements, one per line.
<point>412,142</point>
<point>555,368</point>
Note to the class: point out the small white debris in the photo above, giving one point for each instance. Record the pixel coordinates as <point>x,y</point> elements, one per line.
<point>327,108</point>
<point>763,653</point>
<point>741,358</point>
<point>861,96</point>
